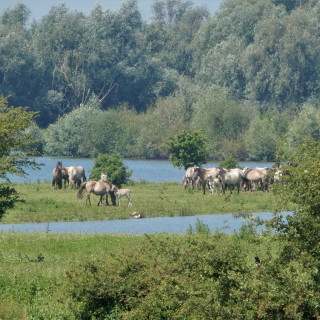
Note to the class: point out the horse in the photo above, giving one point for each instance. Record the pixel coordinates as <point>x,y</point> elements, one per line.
<point>204,173</point>
<point>121,193</point>
<point>214,184</point>
<point>65,176</point>
<point>75,176</point>
<point>57,176</point>
<point>231,178</point>
<point>254,176</point>
<point>188,178</point>
<point>99,188</point>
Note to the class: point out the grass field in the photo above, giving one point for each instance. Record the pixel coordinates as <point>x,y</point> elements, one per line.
<point>44,204</point>
<point>47,276</point>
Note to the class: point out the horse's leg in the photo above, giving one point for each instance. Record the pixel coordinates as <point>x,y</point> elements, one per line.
<point>107,202</point>
<point>88,198</point>
<point>100,200</point>
<point>129,199</point>
<point>204,183</point>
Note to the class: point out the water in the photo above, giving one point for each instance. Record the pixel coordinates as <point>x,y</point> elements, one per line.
<point>225,223</point>
<point>147,170</point>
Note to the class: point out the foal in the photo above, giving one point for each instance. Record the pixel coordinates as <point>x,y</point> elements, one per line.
<point>122,192</point>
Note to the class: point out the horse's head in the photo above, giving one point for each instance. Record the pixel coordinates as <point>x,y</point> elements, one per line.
<point>103,177</point>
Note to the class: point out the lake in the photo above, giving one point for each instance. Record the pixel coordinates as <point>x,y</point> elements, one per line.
<point>143,170</point>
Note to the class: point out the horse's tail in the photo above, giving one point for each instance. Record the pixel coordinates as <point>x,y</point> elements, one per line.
<point>79,194</point>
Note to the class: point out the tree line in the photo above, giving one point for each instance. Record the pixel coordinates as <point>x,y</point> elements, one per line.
<point>106,82</point>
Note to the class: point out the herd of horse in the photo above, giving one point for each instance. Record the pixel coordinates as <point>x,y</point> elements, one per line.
<point>218,179</point>
<point>75,177</point>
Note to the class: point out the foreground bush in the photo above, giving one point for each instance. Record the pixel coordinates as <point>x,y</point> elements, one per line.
<point>195,277</point>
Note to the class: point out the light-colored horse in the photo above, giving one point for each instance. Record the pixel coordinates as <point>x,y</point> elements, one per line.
<point>75,176</point>
<point>57,176</point>
<point>188,178</point>
<point>231,178</point>
<point>253,177</point>
<point>121,193</point>
<point>203,175</point>
<point>215,185</point>
<point>99,188</point>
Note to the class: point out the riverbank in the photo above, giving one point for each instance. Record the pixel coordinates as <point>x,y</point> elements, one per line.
<point>44,204</point>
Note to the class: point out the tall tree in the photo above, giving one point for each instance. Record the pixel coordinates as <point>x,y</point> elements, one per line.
<point>187,149</point>
<point>15,145</point>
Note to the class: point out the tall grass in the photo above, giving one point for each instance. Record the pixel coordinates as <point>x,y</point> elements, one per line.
<point>195,276</point>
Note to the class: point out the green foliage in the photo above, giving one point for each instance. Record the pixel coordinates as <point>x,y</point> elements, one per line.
<point>249,58</point>
<point>301,186</point>
<point>72,133</point>
<point>261,139</point>
<point>305,125</point>
<point>8,197</point>
<point>224,121</point>
<point>187,149</point>
<point>113,166</point>
<point>15,145</point>
<point>229,163</point>
<point>200,228</point>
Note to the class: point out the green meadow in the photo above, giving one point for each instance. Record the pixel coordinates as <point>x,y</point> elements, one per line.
<point>42,203</point>
<point>198,275</point>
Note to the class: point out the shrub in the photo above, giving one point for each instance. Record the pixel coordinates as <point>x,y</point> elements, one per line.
<point>113,166</point>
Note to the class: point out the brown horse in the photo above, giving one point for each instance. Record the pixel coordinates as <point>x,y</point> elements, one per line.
<point>65,176</point>
<point>57,176</point>
<point>99,188</point>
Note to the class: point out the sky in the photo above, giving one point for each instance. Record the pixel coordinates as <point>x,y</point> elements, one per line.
<point>39,8</point>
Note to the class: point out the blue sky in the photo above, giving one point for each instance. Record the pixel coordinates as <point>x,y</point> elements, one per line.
<point>40,8</point>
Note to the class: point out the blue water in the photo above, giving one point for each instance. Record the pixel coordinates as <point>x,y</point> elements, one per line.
<point>225,223</point>
<point>147,170</point>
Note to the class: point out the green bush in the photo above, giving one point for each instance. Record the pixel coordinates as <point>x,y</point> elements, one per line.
<point>113,166</point>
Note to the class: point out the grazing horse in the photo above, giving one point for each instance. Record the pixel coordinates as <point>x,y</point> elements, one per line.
<point>188,178</point>
<point>75,176</point>
<point>203,175</point>
<point>57,176</point>
<point>99,188</point>
<point>231,178</point>
<point>121,193</point>
<point>254,176</point>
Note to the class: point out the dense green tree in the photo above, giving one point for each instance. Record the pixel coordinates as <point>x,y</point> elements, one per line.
<point>15,145</point>
<point>305,125</point>
<point>223,120</point>
<point>157,124</point>
<point>300,177</point>
<point>261,139</point>
<point>72,133</point>
<point>279,65</point>
<point>187,148</point>
<point>19,76</point>
<point>113,166</point>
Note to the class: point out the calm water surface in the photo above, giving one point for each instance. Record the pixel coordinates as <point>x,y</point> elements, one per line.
<point>147,170</point>
<point>225,223</point>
